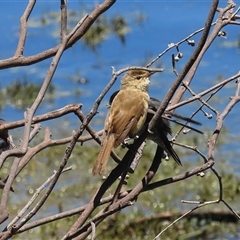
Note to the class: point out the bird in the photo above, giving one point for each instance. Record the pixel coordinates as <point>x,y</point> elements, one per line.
<point>4,138</point>
<point>4,145</point>
<point>162,128</point>
<point>126,115</point>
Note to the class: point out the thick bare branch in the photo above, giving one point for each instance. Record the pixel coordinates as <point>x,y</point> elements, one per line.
<point>29,60</point>
<point>23,28</point>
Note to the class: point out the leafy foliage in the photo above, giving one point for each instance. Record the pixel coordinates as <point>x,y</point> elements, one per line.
<point>102,29</point>
<point>21,93</point>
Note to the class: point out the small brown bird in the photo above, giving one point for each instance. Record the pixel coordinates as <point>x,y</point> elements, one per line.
<point>163,128</point>
<point>4,145</point>
<point>126,116</point>
<point>4,138</point>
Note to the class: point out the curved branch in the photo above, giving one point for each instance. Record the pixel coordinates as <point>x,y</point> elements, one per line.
<point>29,60</point>
<point>23,28</point>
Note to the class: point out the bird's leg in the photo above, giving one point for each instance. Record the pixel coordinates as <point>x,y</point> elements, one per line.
<point>126,144</point>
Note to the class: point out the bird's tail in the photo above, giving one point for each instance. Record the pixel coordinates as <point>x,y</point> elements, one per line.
<point>162,140</point>
<point>103,156</point>
<point>171,151</point>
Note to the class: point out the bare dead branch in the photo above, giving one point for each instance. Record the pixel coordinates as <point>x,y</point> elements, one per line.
<point>90,19</point>
<point>121,203</point>
<point>63,19</point>
<point>186,68</point>
<point>26,134</point>
<point>33,198</point>
<point>219,122</point>
<point>44,117</point>
<point>203,93</point>
<point>23,29</point>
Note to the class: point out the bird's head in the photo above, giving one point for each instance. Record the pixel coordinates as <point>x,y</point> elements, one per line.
<point>136,78</point>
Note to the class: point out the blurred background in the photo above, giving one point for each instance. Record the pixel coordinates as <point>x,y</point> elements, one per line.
<point>130,33</point>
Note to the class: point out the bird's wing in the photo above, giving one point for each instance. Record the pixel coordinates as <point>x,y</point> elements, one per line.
<point>125,115</point>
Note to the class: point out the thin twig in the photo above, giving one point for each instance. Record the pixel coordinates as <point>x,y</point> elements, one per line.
<point>33,198</point>
<point>23,28</point>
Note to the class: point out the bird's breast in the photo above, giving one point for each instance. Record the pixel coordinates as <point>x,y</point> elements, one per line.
<point>127,114</point>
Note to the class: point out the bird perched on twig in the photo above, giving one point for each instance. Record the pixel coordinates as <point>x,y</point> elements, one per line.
<point>126,116</point>
<point>163,128</point>
<point>4,138</point>
<point>4,145</point>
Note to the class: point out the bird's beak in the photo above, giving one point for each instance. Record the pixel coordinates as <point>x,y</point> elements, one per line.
<point>150,73</point>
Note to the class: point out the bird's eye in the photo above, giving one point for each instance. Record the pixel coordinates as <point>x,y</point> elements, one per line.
<point>138,77</point>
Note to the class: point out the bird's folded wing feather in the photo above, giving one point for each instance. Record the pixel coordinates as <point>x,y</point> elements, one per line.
<point>124,119</point>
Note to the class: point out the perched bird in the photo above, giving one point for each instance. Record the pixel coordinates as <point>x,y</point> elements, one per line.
<point>4,145</point>
<point>163,128</point>
<point>4,138</point>
<point>126,116</point>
